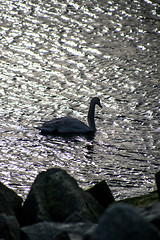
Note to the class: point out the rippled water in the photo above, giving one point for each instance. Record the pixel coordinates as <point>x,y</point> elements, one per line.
<point>55,56</point>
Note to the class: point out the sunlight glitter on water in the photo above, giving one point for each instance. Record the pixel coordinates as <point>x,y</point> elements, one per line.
<point>55,57</point>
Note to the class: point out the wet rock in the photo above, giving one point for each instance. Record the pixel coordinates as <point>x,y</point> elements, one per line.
<point>55,196</point>
<point>56,231</point>
<point>10,202</point>
<point>157,177</point>
<point>123,222</point>
<point>9,227</point>
<point>102,193</point>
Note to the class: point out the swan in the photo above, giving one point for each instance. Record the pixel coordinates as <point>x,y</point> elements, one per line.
<point>66,125</point>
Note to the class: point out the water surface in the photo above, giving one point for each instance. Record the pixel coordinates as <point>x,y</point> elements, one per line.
<point>57,55</point>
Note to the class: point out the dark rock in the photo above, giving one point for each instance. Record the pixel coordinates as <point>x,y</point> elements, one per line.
<point>123,222</point>
<point>55,231</point>
<point>102,193</point>
<point>9,227</point>
<point>55,196</point>
<point>10,202</point>
<point>157,177</point>
<point>44,230</point>
<point>75,217</point>
<point>152,214</point>
<point>142,200</point>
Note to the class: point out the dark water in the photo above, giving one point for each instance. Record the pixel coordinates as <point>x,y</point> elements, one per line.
<point>57,55</point>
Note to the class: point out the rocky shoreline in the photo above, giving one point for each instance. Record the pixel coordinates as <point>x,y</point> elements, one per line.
<point>57,208</point>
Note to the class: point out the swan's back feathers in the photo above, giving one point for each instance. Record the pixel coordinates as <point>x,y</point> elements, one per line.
<point>65,125</point>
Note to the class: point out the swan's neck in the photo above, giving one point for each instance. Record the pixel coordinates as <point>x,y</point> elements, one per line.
<point>91,121</point>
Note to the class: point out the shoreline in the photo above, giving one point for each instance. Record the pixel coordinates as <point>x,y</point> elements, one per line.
<point>56,208</point>
<point>143,200</point>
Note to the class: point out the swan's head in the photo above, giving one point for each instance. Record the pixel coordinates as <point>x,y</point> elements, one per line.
<point>95,101</point>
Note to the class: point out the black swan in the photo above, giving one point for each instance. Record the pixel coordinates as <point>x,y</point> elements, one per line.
<point>66,125</point>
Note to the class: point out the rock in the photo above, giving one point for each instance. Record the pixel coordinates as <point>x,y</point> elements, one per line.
<point>10,202</point>
<point>122,222</point>
<point>157,177</point>
<point>152,214</point>
<point>9,227</point>
<point>43,231</point>
<point>55,196</point>
<point>102,194</point>
<point>56,231</point>
<point>142,200</point>
<point>75,217</point>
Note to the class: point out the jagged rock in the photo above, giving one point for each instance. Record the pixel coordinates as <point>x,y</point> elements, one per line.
<point>102,193</point>
<point>10,202</point>
<point>9,227</point>
<point>157,177</point>
<point>55,196</point>
<point>123,222</point>
<point>56,231</point>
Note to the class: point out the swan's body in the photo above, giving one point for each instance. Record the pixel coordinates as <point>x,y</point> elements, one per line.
<point>65,125</point>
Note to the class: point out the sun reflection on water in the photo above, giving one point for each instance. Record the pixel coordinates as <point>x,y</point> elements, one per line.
<point>55,57</point>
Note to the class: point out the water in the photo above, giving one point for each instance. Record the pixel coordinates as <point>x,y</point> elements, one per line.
<point>57,55</point>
